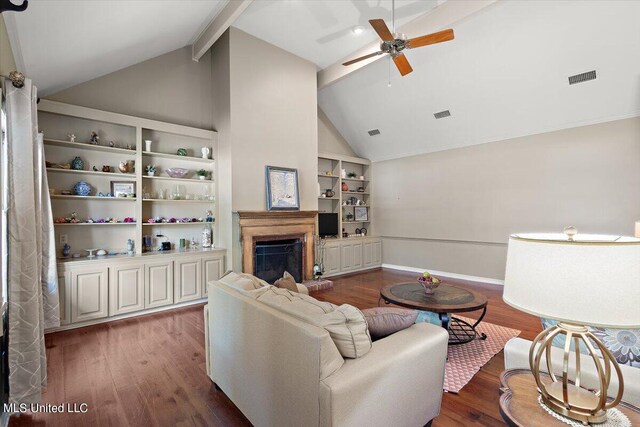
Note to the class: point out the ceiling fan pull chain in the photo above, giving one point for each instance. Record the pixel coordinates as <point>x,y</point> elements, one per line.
<point>389,84</point>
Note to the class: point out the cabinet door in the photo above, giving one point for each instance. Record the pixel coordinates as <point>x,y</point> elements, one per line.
<point>367,254</point>
<point>126,289</point>
<point>377,253</point>
<point>347,257</point>
<point>331,260</point>
<point>212,269</point>
<point>90,292</point>
<point>357,256</point>
<point>158,284</point>
<point>188,279</point>
<point>64,291</point>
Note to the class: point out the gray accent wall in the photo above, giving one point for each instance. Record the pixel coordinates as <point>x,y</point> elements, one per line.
<point>454,210</point>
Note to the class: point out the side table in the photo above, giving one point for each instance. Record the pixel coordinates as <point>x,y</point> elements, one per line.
<point>519,405</point>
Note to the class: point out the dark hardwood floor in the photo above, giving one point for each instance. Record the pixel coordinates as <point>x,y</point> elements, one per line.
<point>150,370</point>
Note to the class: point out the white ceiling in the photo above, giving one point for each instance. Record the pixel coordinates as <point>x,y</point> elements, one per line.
<point>321,30</point>
<point>66,42</point>
<point>504,76</point>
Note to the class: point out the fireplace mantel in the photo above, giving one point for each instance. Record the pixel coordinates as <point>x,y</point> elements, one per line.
<point>263,225</point>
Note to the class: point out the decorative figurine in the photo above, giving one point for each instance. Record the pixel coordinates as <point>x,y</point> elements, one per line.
<point>205,152</point>
<point>106,168</point>
<point>193,244</point>
<point>77,164</point>
<point>72,137</point>
<point>95,169</point>
<point>82,188</point>
<point>129,147</point>
<point>65,250</point>
<point>181,152</point>
<point>345,186</point>
<point>112,144</point>
<point>130,246</point>
<point>93,140</point>
<point>127,167</point>
<point>101,252</point>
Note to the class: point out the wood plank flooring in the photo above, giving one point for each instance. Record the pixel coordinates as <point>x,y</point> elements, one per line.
<point>150,370</point>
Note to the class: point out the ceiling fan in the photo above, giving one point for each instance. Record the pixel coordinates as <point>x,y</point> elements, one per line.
<point>395,43</point>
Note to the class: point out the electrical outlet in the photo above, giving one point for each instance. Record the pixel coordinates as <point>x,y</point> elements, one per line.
<point>64,239</point>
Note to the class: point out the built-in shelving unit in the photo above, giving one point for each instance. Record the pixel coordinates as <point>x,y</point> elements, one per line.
<point>333,171</point>
<point>121,140</point>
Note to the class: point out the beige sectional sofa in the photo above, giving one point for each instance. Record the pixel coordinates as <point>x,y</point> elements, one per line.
<point>274,354</point>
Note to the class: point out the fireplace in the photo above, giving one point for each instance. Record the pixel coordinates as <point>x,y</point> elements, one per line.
<point>273,257</point>
<point>270,239</point>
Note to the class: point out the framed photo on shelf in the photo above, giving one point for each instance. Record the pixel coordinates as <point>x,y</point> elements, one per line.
<point>119,188</point>
<point>282,189</point>
<point>361,213</point>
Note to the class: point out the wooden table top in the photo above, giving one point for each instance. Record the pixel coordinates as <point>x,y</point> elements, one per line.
<point>519,405</point>
<point>446,298</point>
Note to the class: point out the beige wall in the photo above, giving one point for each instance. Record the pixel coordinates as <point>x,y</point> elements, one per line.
<point>273,120</point>
<point>329,138</point>
<point>454,210</point>
<point>171,88</point>
<point>7,62</point>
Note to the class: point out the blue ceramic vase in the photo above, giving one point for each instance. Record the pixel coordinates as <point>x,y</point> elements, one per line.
<point>82,188</point>
<point>77,164</point>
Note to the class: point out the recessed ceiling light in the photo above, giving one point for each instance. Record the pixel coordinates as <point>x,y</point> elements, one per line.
<point>357,30</point>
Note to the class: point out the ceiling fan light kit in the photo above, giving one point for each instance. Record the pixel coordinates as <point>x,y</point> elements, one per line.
<point>394,43</point>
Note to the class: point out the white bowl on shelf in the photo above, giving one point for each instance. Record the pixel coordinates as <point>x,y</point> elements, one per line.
<point>177,172</point>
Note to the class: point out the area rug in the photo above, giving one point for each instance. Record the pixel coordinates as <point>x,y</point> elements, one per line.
<point>465,360</point>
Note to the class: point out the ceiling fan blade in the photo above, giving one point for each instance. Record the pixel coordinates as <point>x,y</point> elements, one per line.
<point>402,63</point>
<point>382,29</point>
<point>439,37</point>
<point>371,55</point>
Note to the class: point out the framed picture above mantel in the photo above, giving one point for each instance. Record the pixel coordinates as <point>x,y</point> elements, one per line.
<point>282,188</point>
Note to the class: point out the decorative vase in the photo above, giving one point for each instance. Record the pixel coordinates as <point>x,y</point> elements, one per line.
<point>206,236</point>
<point>82,188</point>
<point>147,144</point>
<point>345,186</point>
<point>329,193</point>
<point>77,164</point>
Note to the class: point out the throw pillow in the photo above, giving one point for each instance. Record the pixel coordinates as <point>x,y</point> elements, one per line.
<point>384,321</point>
<point>286,282</point>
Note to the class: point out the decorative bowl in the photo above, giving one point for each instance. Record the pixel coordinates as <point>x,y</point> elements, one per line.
<point>177,172</point>
<point>429,285</point>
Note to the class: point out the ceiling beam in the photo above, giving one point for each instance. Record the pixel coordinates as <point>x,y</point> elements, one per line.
<point>445,15</point>
<point>218,26</point>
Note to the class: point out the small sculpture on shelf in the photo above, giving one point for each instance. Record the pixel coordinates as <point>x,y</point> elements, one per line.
<point>94,138</point>
<point>65,250</point>
<point>106,168</point>
<point>345,186</point>
<point>193,244</point>
<point>182,152</point>
<point>127,167</point>
<point>95,169</point>
<point>112,144</point>
<point>72,137</point>
<point>130,246</point>
<point>205,152</point>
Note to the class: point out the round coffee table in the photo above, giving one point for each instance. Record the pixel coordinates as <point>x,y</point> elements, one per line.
<point>445,300</point>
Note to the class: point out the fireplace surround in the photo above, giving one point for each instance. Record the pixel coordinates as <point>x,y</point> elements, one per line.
<point>263,226</point>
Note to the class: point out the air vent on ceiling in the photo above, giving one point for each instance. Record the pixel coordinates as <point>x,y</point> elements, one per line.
<point>583,77</point>
<point>442,114</point>
<point>374,132</point>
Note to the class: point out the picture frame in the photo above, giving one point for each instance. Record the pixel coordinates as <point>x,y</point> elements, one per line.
<point>361,213</point>
<point>118,188</point>
<point>282,189</point>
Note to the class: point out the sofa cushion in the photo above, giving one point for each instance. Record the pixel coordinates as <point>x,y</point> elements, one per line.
<point>286,282</point>
<point>346,324</point>
<point>384,321</point>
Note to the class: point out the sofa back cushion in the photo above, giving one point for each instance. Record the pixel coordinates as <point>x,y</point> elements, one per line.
<point>346,324</point>
<point>243,281</point>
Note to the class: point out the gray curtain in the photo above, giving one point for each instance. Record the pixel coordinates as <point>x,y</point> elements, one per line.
<point>33,279</point>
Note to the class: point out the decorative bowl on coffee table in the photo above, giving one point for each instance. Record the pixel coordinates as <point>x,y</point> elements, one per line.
<point>429,283</point>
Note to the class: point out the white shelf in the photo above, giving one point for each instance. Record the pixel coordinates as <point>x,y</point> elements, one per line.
<point>356,206</point>
<point>162,224</point>
<point>106,199</point>
<point>176,157</point>
<point>354,222</point>
<point>168,178</point>
<point>67,224</point>
<point>83,172</point>
<point>87,146</point>
<point>177,201</point>
<point>364,193</point>
<point>324,175</point>
<point>355,179</point>
<point>328,198</point>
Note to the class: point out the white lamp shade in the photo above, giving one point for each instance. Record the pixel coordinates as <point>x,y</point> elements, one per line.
<point>593,280</point>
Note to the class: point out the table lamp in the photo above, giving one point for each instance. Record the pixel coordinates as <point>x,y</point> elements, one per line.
<point>577,280</point>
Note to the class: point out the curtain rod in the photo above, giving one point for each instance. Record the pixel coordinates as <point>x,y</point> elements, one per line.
<point>16,77</point>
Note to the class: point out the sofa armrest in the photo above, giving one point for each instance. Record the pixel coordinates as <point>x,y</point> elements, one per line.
<point>399,382</point>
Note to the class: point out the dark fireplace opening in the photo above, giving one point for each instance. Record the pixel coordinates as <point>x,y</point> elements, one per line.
<point>273,258</point>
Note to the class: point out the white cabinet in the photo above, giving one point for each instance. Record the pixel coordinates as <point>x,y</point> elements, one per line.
<point>126,289</point>
<point>357,256</point>
<point>187,279</point>
<point>377,252</point>
<point>89,293</point>
<point>367,254</point>
<point>64,292</point>
<point>158,284</point>
<point>212,269</point>
<point>332,260</point>
<point>353,254</point>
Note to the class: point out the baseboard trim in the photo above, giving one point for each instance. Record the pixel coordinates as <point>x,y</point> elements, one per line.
<point>445,274</point>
